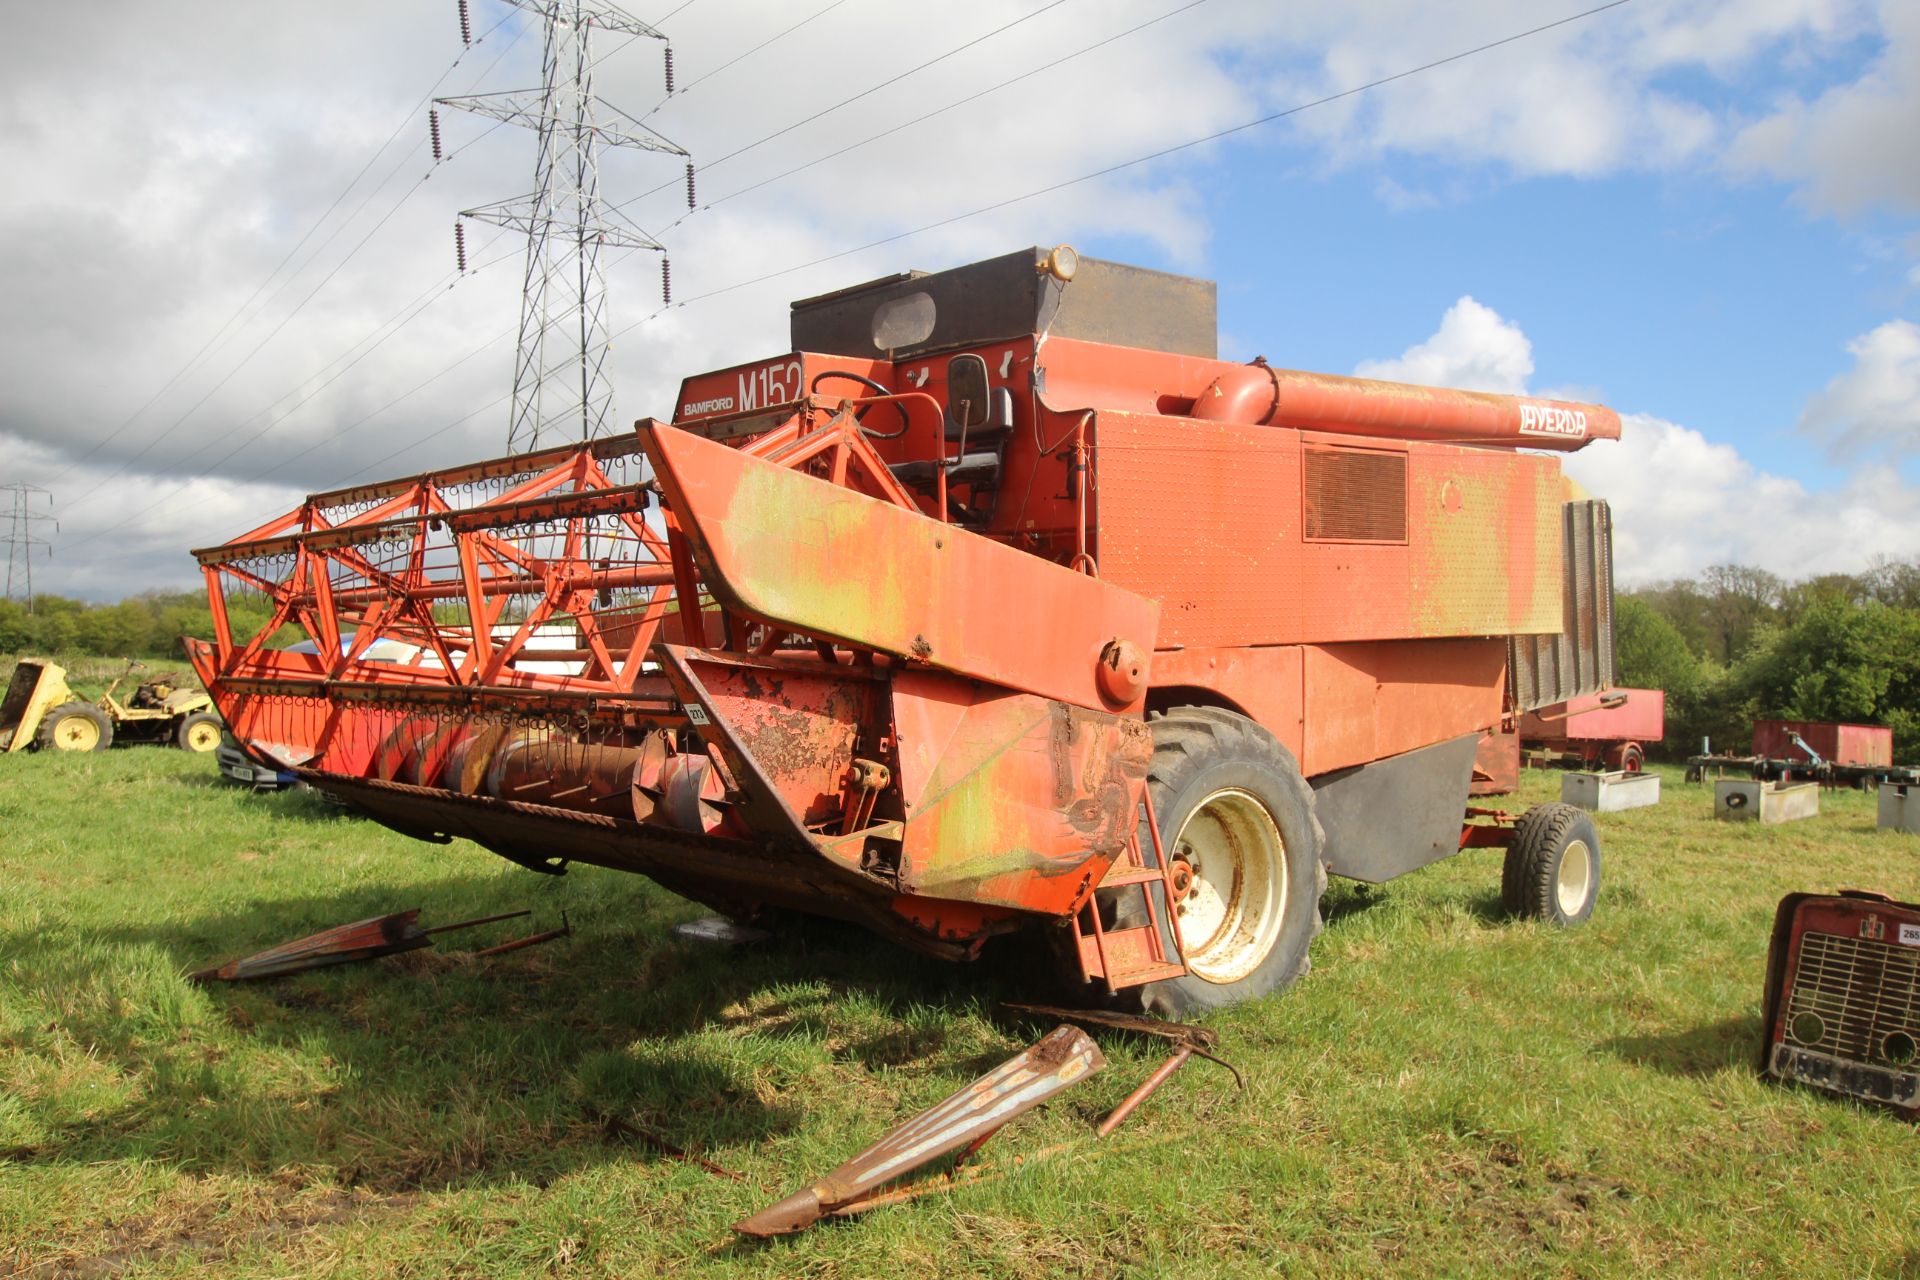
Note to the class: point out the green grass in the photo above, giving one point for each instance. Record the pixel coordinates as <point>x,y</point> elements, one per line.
<point>1446,1093</point>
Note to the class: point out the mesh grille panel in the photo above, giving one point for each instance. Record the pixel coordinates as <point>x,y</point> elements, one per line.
<point>1549,669</point>
<point>1859,990</point>
<point>1355,495</point>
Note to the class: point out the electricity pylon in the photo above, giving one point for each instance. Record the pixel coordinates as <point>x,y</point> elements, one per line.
<point>18,521</point>
<point>560,387</point>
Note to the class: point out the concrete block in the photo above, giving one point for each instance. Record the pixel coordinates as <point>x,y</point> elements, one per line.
<point>1900,807</point>
<point>1748,800</point>
<point>1610,792</point>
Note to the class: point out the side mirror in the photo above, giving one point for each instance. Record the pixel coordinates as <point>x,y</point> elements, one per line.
<point>969,397</point>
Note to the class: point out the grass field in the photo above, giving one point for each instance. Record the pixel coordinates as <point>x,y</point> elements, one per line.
<point>1446,1093</point>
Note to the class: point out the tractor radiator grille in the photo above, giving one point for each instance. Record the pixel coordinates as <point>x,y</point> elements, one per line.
<point>1355,495</point>
<point>1849,995</point>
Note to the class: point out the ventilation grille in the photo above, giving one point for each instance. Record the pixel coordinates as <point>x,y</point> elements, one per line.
<point>1850,994</point>
<point>1355,495</point>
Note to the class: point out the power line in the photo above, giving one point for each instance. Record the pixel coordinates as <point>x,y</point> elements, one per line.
<point>1058,186</point>
<point>1050,65</point>
<point>268,278</point>
<point>864,93</point>
<point>1162,153</point>
<point>741,57</point>
<point>327,439</point>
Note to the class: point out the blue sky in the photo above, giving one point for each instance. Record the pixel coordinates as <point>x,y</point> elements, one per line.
<point>1701,212</point>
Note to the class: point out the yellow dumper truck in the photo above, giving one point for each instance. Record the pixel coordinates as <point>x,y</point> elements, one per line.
<point>41,710</point>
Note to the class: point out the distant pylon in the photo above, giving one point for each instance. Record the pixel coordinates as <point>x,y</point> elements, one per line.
<point>18,519</point>
<point>560,389</point>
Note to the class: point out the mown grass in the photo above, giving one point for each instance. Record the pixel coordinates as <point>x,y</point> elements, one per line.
<point>1446,1093</point>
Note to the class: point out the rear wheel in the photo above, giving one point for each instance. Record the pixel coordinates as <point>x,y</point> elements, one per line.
<point>1553,866</point>
<point>198,733</point>
<point>1627,757</point>
<point>1236,820</point>
<point>76,726</point>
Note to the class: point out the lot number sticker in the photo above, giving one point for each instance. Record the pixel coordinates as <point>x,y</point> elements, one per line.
<point>1910,935</point>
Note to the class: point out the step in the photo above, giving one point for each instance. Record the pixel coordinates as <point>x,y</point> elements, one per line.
<point>1134,955</point>
<point>1121,874</point>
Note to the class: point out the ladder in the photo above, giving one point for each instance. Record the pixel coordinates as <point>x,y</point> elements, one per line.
<point>1131,956</point>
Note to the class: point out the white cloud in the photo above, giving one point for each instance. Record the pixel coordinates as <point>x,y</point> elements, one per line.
<point>1876,403</point>
<point>1851,147</point>
<point>1474,349</point>
<point>1682,502</point>
<point>143,212</point>
<point>1588,98</point>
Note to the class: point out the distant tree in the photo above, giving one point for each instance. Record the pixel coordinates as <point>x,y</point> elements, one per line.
<point>1684,607</point>
<point>1798,597</point>
<point>1841,661</point>
<point>1740,600</point>
<point>114,631</point>
<point>1649,651</point>
<point>1894,582</point>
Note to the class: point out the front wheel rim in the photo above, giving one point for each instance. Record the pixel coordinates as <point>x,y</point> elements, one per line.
<point>202,737</point>
<point>1574,879</point>
<point>77,733</point>
<point>1230,918</point>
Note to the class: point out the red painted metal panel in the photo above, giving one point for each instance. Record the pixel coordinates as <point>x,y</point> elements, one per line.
<point>1029,801</point>
<point>1208,518</point>
<point>1368,701</point>
<point>1869,744</point>
<point>1641,718</point>
<point>790,548</point>
<point>1262,683</point>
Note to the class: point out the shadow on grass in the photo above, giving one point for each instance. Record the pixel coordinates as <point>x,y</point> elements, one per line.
<point>1345,898</point>
<point>1698,1051</point>
<point>437,1068</point>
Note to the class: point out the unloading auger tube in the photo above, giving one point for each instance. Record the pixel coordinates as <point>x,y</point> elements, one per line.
<point>889,654</point>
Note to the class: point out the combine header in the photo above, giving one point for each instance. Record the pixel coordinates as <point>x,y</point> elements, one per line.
<point>998,602</point>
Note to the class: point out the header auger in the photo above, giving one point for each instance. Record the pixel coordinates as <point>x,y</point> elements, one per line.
<point>998,602</point>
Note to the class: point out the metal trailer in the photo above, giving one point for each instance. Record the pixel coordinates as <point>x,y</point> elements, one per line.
<point>998,603</point>
<point>1832,754</point>
<point>1841,744</point>
<point>1602,732</point>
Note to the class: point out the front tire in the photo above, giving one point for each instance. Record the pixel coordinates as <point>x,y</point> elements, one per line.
<point>76,726</point>
<point>198,733</point>
<point>1552,870</point>
<point>1232,806</point>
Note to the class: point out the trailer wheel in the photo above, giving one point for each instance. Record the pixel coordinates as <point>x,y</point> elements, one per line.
<point>76,726</point>
<point>198,733</point>
<point>1553,866</point>
<point>1232,806</point>
<point>1628,757</point>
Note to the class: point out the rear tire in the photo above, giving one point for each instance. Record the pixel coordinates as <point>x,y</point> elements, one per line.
<point>1552,871</point>
<point>1628,757</point>
<point>1231,803</point>
<point>198,733</point>
<point>76,726</point>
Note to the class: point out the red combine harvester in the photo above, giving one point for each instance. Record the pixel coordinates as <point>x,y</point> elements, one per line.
<point>998,602</point>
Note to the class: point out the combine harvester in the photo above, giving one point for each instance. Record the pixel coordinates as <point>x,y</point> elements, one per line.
<point>1017,608</point>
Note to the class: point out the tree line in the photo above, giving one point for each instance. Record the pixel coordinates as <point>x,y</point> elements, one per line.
<point>146,626</point>
<point>1737,644</point>
<point>1729,646</point>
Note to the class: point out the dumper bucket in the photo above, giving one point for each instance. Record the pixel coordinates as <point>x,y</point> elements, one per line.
<point>35,689</point>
